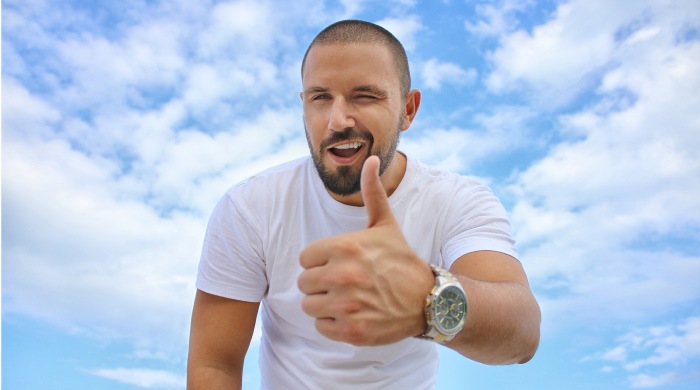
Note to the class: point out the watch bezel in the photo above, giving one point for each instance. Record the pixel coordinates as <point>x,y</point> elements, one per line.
<point>463,298</point>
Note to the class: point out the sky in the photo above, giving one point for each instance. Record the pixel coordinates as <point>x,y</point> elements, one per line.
<point>123,123</point>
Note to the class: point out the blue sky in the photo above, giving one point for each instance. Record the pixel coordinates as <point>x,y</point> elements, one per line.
<point>123,122</point>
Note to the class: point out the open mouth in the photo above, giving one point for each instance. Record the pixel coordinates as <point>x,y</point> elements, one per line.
<point>346,150</point>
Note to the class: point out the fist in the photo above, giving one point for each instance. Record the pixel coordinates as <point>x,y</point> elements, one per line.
<point>366,287</point>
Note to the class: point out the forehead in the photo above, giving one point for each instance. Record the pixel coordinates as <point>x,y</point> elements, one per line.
<point>349,63</point>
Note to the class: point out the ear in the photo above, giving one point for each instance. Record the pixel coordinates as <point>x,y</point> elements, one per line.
<point>411,108</point>
<point>301,96</point>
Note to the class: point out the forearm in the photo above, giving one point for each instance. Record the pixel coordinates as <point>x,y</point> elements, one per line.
<point>203,377</point>
<point>503,323</point>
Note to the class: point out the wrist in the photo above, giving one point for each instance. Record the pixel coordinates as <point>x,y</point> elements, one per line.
<point>426,285</point>
<point>445,307</point>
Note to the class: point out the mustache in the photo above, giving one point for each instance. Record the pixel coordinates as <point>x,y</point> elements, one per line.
<point>347,134</point>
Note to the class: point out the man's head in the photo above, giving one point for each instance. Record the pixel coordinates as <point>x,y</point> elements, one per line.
<point>356,101</point>
<point>358,31</point>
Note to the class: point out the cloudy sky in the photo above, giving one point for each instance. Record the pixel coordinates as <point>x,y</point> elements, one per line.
<point>123,122</point>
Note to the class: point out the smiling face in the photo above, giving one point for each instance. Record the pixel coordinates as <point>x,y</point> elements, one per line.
<point>353,108</point>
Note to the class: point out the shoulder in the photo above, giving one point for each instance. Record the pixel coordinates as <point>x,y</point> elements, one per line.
<point>455,194</point>
<point>258,194</point>
<point>430,179</point>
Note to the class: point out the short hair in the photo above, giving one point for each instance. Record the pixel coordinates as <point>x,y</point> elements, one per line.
<point>358,31</point>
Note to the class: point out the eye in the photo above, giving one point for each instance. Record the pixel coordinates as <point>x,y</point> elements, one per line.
<point>320,96</point>
<point>365,97</point>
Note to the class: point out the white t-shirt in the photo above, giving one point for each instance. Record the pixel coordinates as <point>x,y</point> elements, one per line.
<point>259,228</point>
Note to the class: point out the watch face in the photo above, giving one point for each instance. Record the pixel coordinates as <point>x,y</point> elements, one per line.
<point>450,309</point>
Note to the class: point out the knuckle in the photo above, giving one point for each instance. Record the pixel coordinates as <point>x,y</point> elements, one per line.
<point>348,306</point>
<point>349,246</point>
<point>344,277</point>
<point>355,332</point>
<point>351,277</point>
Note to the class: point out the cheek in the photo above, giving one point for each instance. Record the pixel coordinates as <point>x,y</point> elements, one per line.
<point>387,128</point>
<point>313,138</point>
<point>314,121</point>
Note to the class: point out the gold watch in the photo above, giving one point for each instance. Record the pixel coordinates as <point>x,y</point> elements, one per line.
<point>445,307</point>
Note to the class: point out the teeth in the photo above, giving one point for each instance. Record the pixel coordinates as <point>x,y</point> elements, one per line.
<point>350,145</point>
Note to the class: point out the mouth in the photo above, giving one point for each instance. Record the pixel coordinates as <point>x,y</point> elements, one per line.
<point>345,153</point>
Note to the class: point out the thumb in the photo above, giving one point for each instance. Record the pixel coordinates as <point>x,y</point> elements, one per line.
<point>374,195</point>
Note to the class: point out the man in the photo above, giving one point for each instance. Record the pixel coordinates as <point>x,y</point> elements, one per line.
<point>349,250</point>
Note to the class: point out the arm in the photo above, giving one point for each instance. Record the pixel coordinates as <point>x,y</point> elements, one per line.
<point>503,318</point>
<point>369,288</point>
<point>219,338</point>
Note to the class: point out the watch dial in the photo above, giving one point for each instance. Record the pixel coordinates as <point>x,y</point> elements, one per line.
<point>450,308</point>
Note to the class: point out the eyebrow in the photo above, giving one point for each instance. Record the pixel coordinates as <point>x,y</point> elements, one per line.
<point>373,89</point>
<point>315,90</point>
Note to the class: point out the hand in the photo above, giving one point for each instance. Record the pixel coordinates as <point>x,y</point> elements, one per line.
<point>366,287</point>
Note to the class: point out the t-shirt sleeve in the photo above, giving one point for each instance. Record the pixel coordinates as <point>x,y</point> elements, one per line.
<point>232,263</point>
<point>476,221</point>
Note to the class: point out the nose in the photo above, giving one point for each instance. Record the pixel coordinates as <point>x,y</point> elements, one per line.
<point>340,116</point>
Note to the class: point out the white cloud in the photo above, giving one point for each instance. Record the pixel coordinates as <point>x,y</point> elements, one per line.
<point>634,161</point>
<point>77,215</point>
<point>404,29</point>
<point>642,351</point>
<point>237,28</point>
<point>435,73</point>
<point>21,109</point>
<point>114,153</point>
<point>142,377</point>
<point>496,19</point>
<point>642,35</point>
<point>664,344</point>
<point>559,59</point>
<point>457,149</point>
<point>440,147</point>
<point>146,59</point>
<point>610,214</point>
<point>352,8</point>
<point>648,381</point>
<point>406,3</point>
<point>82,256</point>
<point>87,253</point>
<point>194,164</point>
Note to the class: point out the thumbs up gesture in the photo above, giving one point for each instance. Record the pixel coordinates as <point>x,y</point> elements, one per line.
<point>366,287</point>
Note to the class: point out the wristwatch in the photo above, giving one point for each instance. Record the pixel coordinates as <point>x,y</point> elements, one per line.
<point>445,307</point>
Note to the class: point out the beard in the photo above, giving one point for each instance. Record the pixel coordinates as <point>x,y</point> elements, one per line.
<point>345,180</point>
